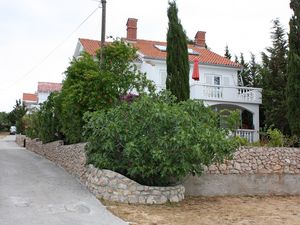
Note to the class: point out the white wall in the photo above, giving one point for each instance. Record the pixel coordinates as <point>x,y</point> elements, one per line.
<point>42,96</point>
<point>157,70</point>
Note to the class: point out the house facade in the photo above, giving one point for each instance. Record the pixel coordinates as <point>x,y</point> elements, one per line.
<point>30,101</point>
<point>45,89</point>
<point>213,78</point>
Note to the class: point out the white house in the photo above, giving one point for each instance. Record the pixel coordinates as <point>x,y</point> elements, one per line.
<point>215,77</point>
<point>45,89</point>
<point>30,101</point>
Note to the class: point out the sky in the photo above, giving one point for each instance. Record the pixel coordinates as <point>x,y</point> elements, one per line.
<point>38,38</point>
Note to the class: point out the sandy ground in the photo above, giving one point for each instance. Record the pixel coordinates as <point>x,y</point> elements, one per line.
<point>216,210</point>
<point>3,134</point>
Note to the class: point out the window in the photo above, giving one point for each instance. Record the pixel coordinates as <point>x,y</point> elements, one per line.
<point>213,79</point>
<point>164,49</point>
<point>161,48</point>
<point>217,80</point>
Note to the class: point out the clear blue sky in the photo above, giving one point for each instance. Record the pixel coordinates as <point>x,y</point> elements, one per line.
<point>31,29</point>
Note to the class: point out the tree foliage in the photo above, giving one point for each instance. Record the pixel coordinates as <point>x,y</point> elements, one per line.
<point>177,57</point>
<point>154,140</point>
<point>227,53</point>
<point>293,84</point>
<point>44,123</point>
<point>16,115</point>
<point>250,75</point>
<point>4,121</point>
<point>274,74</point>
<point>88,88</point>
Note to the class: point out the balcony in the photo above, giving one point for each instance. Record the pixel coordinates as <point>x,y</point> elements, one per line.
<point>226,94</point>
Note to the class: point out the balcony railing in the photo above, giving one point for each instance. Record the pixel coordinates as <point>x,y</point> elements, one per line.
<point>247,134</point>
<point>229,94</point>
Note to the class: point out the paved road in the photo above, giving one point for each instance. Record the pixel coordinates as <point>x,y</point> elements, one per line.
<point>33,191</point>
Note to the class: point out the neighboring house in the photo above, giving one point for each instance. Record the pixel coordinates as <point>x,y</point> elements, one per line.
<point>45,89</point>
<point>30,101</point>
<point>213,78</point>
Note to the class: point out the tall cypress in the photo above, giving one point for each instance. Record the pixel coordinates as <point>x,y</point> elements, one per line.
<point>293,85</point>
<point>227,53</point>
<point>274,80</point>
<point>177,56</point>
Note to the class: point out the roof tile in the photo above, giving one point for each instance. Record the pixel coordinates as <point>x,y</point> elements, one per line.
<point>27,97</point>
<point>148,49</point>
<point>49,87</point>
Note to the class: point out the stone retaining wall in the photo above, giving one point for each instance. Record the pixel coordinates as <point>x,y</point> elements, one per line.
<point>253,171</point>
<point>103,183</point>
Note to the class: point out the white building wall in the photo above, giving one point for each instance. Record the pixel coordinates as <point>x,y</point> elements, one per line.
<point>157,71</point>
<point>42,97</point>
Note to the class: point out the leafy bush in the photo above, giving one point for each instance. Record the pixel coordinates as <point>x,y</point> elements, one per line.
<point>44,123</point>
<point>4,121</point>
<point>16,115</point>
<point>276,138</point>
<point>154,140</point>
<point>241,141</point>
<point>291,141</point>
<point>231,119</point>
<point>88,87</point>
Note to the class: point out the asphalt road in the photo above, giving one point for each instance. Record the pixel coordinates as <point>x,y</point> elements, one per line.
<point>34,191</point>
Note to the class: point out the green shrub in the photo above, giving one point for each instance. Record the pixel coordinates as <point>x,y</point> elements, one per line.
<point>276,138</point>
<point>154,140</point>
<point>241,141</point>
<point>89,88</point>
<point>44,124</point>
<point>291,141</point>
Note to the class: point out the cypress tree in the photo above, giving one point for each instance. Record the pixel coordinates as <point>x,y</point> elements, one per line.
<point>244,74</point>
<point>227,53</point>
<point>177,57</point>
<point>254,75</point>
<point>293,85</point>
<point>274,80</point>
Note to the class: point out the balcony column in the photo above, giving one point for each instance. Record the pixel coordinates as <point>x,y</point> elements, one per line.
<point>256,124</point>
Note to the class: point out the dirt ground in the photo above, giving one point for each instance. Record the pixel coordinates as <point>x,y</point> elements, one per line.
<point>215,210</point>
<point>3,134</point>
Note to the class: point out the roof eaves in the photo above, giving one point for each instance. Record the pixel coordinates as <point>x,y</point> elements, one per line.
<point>203,63</point>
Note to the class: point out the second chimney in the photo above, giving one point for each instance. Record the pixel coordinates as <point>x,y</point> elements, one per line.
<point>131,29</point>
<point>200,39</point>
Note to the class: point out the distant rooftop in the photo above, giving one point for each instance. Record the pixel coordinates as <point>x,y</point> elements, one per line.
<point>28,97</point>
<point>49,86</point>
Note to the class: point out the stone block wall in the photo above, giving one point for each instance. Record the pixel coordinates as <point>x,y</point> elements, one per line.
<point>103,183</point>
<point>252,171</point>
<point>260,160</point>
<point>116,187</point>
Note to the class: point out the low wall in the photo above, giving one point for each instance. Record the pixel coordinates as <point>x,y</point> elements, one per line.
<point>103,183</point>
<point>253,171</point>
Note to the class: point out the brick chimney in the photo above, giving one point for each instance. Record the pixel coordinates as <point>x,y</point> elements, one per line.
<point>200,39</point>
<point>131,29</point>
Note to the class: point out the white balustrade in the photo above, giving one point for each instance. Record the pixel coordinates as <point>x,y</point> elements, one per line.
<point>245,133</point>
<point>229,94</point>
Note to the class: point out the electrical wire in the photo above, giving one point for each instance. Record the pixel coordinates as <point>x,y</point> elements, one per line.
<point>50,53</point>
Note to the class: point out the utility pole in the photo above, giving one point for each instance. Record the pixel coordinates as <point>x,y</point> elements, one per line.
<point>103,28</point>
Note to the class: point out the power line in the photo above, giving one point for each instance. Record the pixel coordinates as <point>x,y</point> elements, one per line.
<point>50,53</point>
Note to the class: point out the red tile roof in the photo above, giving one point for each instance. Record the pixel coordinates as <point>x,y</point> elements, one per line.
<point>49,87</point>
<point>27,97</point>
<point>90,46</point>
<point>148,49</point>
